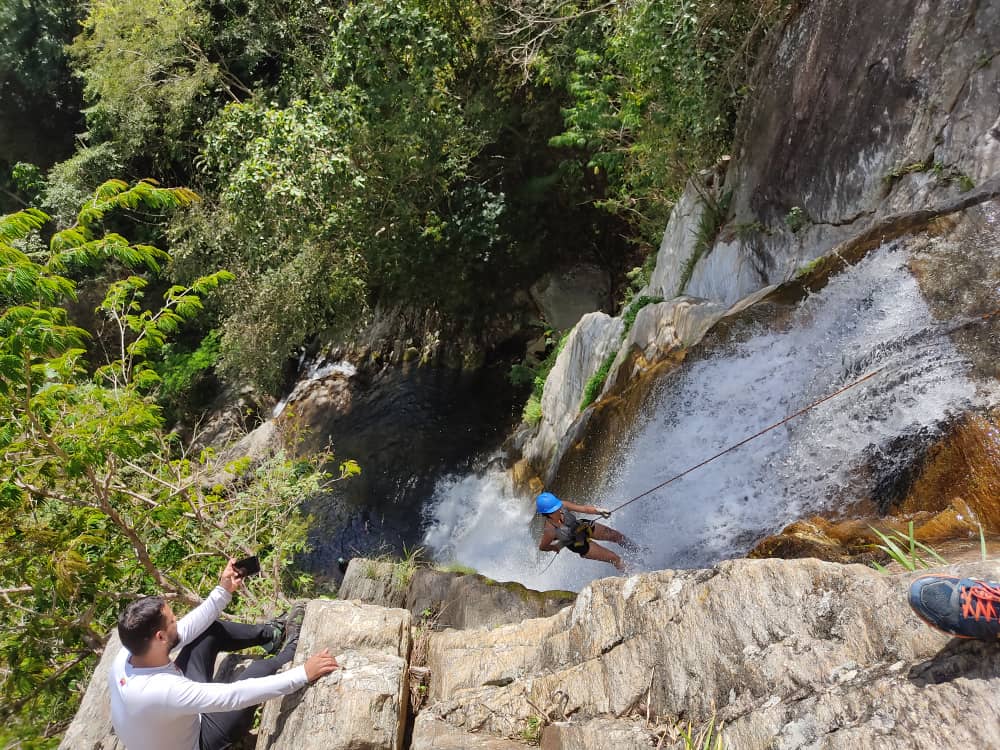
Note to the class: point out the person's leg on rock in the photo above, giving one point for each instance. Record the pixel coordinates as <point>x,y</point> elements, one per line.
<point>221,730</point>
<point>197,659</point>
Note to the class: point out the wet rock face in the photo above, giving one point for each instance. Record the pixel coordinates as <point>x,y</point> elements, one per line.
<point>957,264</point>
<point>862,111</point>
<point>855,92</point>
<point>949,492</point>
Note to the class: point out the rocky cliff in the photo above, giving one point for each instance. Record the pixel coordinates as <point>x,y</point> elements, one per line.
<point>868,123</point>
<point>770,654</point>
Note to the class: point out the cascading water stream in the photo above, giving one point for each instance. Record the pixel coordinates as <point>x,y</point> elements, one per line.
<point>872,315</point>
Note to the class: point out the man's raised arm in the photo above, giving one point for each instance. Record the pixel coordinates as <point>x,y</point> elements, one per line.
<point>198,619</point>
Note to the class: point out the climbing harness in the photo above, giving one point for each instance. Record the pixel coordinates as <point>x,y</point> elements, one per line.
<point>575,535</point>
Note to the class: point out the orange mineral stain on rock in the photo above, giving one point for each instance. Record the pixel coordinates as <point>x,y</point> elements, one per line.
<point>956,493</point>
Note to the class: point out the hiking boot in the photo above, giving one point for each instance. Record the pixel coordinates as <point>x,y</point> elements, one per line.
<point>962,607</point>
<point>293,625</point>
<point>277,625</point>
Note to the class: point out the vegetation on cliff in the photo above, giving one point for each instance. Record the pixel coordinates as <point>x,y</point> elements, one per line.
<point>100,502</point>
<point>433,154</point>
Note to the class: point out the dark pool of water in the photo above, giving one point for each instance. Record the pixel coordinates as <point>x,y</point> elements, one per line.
<point>406,429</point>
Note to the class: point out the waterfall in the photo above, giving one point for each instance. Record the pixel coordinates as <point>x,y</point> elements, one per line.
<point>872,315</point>
<point>320,368</point>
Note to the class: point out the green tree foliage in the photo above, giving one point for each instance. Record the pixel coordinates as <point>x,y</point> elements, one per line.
<point>70,183</point>
<point>362,188</point>
<point>654,89</point>
<point>429,153</point>
<point>100,504</point>
<point>181,370</point>
<point>146,73</point>
<point>40,98</point>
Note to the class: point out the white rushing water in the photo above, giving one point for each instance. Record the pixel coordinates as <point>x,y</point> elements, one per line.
<point>872,315</point>
<point>316,371</point>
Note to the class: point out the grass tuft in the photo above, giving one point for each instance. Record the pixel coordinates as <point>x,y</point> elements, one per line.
<point>712,218</point>
<point>905,550</point>
<point>455,567</point>
<point>403,569</point>
<point>593,388</point>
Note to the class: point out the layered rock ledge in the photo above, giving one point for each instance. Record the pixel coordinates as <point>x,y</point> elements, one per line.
<point>776,654</point>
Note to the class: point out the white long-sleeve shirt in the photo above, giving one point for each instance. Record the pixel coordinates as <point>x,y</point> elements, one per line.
<point>158,708</point>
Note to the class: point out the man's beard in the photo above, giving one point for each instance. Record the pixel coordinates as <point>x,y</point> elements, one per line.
<point>174,640</point>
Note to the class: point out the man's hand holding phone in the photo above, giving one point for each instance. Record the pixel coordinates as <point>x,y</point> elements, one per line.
<point>231,580</point>
<point>236,570</point>
<point>248,566</point>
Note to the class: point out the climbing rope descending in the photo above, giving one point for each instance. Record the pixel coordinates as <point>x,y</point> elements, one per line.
<point>746,440</point>
<point>972,320</point>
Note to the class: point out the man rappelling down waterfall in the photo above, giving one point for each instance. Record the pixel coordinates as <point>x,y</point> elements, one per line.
<point>564,529</point>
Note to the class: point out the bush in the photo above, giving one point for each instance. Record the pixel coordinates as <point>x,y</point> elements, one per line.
<point>70,183</point>
<point>532,413</point>
<point>596,382</point>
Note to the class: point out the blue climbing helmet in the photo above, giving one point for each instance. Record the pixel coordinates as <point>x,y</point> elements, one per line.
<point>547,503</point>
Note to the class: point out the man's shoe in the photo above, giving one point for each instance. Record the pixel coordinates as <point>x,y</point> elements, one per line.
<point>962,607</point>
<point>293,625</point>
<point>273,646</point>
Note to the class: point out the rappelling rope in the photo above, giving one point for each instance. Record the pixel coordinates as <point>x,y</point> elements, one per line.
<point>746,440</point>
<point>976,319</point>
<point>971,321</point>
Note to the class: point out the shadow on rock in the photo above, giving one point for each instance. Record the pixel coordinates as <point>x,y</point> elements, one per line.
<point>974,660</point>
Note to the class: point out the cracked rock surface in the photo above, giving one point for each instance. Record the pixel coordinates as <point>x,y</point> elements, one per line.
<point>788,653</point>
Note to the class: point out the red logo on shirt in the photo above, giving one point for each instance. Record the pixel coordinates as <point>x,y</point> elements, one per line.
<point>122,682</point>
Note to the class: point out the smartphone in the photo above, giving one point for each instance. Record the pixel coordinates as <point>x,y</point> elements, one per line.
<point>248,566</point>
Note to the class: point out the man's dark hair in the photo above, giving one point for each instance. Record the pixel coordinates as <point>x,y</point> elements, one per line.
<point>139,622</point>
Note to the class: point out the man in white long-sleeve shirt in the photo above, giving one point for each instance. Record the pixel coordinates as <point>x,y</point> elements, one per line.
<point>159,704</point>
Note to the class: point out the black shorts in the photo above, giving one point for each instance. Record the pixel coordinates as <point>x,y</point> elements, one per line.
<point>581,547</point>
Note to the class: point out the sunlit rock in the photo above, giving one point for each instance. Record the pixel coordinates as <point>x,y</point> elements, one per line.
<point>595,337</point>
<point>363,704</point>
<point>782,652</point>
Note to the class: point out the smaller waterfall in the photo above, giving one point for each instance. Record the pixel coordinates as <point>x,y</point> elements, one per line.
<point>872,315</point>
<point>319,369</point>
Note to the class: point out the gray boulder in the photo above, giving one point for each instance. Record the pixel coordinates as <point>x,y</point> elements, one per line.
<point>472,601</point>
<point>363,705</point>
<point>452,600</point>
<point>563,298</point>
<point>372,582</point>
